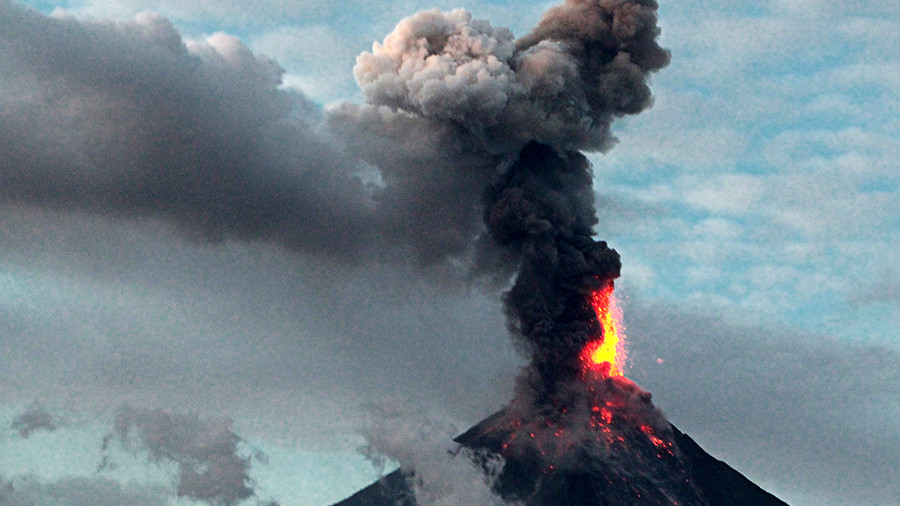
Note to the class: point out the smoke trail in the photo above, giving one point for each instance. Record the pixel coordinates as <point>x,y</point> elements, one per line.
<point>520,110</point>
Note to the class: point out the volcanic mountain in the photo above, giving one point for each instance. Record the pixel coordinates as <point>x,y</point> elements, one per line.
<point>594,439</point>
<point>602,456</point>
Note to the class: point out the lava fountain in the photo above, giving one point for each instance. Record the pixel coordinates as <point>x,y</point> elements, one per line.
<point>606,356</point>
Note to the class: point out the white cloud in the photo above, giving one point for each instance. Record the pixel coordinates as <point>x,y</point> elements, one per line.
<point>728,194</point>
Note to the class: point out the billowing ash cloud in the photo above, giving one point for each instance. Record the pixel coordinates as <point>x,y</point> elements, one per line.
<point>561,85</point>
<point>33,419</point>
<point>129,119</point>
<point>206,451</point>
<point>466,155</point>
<point>524,107</point>
<point>453,102</point>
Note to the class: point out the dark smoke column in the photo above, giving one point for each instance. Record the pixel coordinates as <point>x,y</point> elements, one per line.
<point>542,209</point>
<point>523,109</point>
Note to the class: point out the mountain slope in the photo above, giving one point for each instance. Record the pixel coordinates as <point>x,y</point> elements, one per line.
<point>636,469</point>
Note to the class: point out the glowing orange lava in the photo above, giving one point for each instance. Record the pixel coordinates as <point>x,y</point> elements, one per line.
<point>658,442</point>
<point>606,355</point>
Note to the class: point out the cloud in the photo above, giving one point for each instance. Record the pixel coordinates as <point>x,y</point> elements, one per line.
<point>420,439</point>
<point>129,119</point>
<point>78,491</point>
<point>33,419</point>
<point>784,407</point>
<point>206,452</point>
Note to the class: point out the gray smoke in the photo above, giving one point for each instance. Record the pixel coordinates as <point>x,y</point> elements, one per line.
<point>519,110</point>
<point>466,155</point>
<point>128,119</point>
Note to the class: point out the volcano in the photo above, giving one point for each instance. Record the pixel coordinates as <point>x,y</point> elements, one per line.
<point>594,438</point>
<point>615,463</point>
<point>577,432</point>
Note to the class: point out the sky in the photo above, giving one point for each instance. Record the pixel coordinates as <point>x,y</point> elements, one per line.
<point>193,277</point>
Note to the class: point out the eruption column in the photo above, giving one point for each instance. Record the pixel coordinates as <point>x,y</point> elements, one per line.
<point>522,110</point>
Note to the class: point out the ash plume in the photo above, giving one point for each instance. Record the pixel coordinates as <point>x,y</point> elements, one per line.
<point>129,119</point>
<point>466,155</point>
<point>541,210</point>
<point>520,110</point>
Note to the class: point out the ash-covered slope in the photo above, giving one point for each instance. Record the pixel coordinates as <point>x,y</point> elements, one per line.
<point>618,451</point>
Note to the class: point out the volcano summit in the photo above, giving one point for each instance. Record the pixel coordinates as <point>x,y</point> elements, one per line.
<point>594,440</point>
<point>623,453</point>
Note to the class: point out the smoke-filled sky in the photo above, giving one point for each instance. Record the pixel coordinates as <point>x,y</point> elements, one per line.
<point>222,273</point>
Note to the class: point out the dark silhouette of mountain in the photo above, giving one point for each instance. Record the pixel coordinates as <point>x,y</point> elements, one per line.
<point>610,464</point>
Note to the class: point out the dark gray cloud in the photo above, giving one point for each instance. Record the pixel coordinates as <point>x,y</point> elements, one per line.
<point>129,119</point>
<point>785,407</point>
<point>34,418</point>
